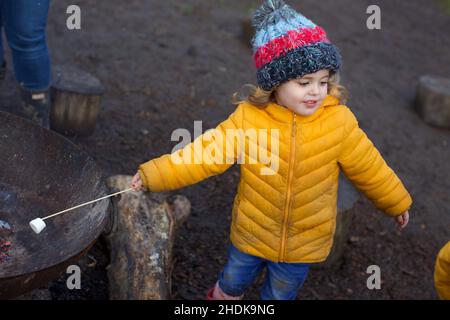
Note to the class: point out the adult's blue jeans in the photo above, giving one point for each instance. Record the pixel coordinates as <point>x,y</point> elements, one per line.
<point>282,282</point>
<point>24,22</point>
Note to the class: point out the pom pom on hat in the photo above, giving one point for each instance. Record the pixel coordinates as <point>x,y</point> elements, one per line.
<point>268,13</point>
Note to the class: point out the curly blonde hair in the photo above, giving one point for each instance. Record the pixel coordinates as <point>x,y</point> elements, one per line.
<point>261,98</point>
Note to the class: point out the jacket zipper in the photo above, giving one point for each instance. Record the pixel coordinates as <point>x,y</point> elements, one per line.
<point>287,206</point>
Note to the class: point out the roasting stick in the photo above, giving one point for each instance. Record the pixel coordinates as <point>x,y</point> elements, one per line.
<point>38,224</point>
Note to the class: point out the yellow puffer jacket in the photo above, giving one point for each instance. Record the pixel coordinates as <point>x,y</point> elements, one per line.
<point>442,273</point>
<point>289,216</point>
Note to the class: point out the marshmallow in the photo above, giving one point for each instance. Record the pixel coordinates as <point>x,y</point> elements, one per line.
<point>37,225</point>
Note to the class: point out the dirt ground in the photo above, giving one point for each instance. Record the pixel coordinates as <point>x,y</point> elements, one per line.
<point>165,64</point>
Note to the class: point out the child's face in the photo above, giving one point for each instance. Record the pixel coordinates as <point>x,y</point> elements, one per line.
<point>304,95</point>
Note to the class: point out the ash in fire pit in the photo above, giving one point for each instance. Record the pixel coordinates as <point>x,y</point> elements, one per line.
<point>7,198</point>
<point>4,226</point>
<point>15,241</point>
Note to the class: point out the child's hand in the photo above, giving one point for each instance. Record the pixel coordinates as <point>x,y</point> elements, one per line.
<point>136,183</point>
<point>402,220</point>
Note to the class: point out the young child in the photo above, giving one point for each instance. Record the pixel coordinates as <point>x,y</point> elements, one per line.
<point>442,273</point>
<point>284,217</point>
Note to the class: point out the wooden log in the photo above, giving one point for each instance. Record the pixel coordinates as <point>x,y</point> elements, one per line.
<point>433,100</point>
<point>141,242</point>
<point>76,97</point>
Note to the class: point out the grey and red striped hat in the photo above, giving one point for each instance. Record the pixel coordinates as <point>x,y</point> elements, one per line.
<point>287,45</point>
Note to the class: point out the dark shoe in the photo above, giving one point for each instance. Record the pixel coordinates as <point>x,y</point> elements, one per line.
<point>3,70</point>
<point>36,106</point>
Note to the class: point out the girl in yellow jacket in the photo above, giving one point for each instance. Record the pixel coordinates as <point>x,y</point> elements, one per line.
<point>442,273</point>
<point>291,136</point>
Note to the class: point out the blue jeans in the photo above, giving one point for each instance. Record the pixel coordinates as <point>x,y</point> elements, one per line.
<point>282,282</point>
<point>24,22</point>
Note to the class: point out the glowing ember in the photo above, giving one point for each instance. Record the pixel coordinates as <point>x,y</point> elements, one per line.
<point>5,246</point>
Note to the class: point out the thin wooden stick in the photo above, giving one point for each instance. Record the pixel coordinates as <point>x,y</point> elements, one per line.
<point>85,204</point>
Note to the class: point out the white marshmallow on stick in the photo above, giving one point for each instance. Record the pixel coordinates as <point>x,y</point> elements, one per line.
<point>38,224</point>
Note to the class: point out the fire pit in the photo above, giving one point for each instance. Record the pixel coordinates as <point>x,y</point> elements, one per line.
<point>41,172</point>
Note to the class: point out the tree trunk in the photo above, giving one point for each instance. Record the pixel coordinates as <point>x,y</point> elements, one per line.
<point>141,242</point>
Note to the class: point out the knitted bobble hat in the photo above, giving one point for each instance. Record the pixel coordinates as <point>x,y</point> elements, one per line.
<point>287,45</point>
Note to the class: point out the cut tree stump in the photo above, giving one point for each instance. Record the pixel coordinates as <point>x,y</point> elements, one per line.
<point>433,100</point>
<point>76,97</point>
<point>141,242</point>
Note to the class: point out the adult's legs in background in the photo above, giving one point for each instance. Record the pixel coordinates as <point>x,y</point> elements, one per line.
<point>24,23</point>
